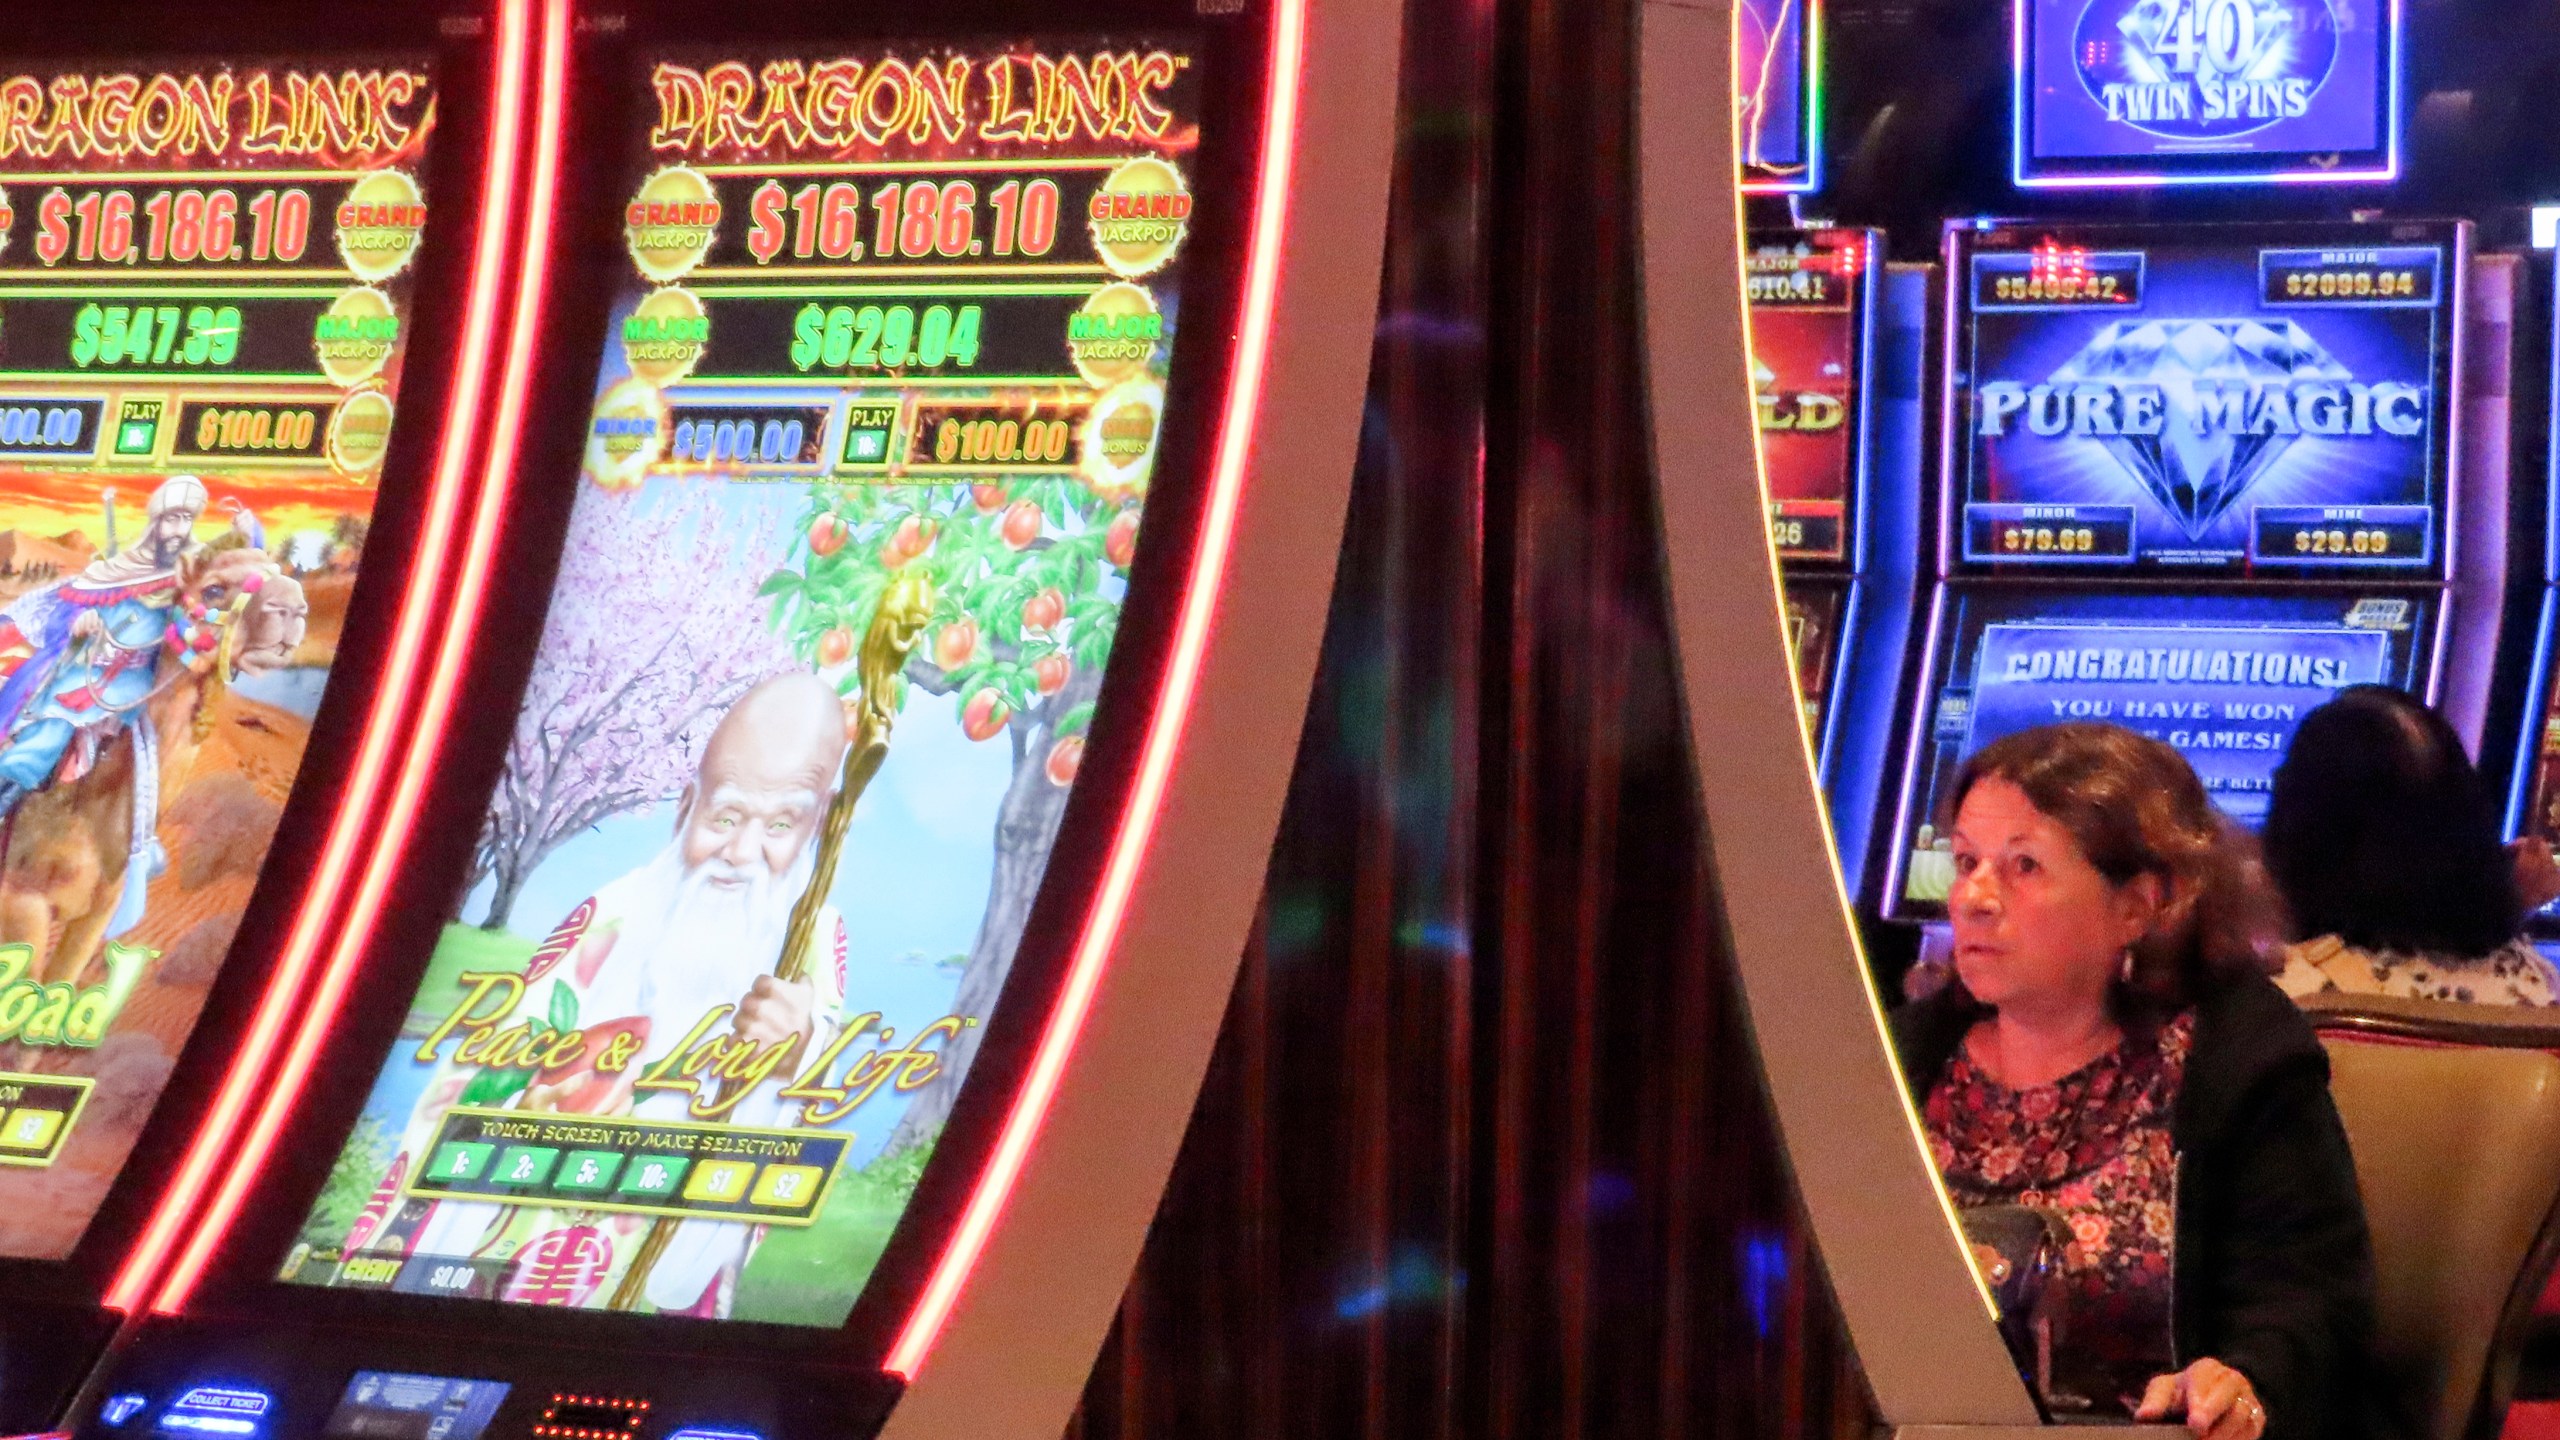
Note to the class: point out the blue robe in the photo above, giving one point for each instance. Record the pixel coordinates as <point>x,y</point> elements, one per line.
<point>59,684</point>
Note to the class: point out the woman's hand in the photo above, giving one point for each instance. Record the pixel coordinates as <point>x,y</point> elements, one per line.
<point>2217,1401</point>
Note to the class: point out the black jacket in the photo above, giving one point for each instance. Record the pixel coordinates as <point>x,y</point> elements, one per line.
<point>2272,1273</point>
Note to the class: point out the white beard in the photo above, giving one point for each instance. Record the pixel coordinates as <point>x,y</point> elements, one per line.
<point>701,949</point>
<point>675,962</point>
<point>704,950</point>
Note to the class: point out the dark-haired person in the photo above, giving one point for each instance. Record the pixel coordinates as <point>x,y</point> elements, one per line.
<point>2383,841</point>
<point>2112,1049</point>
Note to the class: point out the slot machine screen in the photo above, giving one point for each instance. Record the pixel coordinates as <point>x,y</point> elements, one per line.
<point>206,277</point>
<point>871,436</point>
<point>1777,92</point>
<point>2169,92</point>
<point>1812,327</point>
<point>2272,403</point>
<point>1816,608</point>
<point>2223,678</point>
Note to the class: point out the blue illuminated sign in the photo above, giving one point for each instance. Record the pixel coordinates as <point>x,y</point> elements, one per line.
<point>2169,92</point>
<point>2227,697</point>
<point>2222,678</point>
<point>218,1410</point>
<point>2199,404</point>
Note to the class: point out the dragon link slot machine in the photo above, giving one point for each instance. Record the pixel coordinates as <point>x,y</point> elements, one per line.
<point>249,269</point>
<point>790,955</point>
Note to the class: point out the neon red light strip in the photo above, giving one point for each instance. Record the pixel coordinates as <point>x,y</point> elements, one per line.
<point>212,1148</point>
<point>1173,708</point>
<point>436,709</point>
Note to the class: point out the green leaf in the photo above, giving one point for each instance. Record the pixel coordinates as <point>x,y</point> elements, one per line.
<point>495,1087</point>
<point>1092,643</point>
<point>1076,721</point>
<point>780,582</point>
<point>564,1007</point>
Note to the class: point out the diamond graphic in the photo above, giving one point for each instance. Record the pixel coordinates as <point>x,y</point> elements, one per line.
<point>2194,475</point>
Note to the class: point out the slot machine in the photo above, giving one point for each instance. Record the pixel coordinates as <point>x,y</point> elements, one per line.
<point>2194,482</point>
<point>1839,351</point>
<point>1838,342</point>
<point>250,272</point>
<point>2533,795</point>
<point>773,1004</point>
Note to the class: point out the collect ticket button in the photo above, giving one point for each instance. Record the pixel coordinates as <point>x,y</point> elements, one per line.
<point>719,1181</point>
<point>461,1160</point>
<point>786,1187</point>
<point>30,1129</point>
<point>588,1172</point>
<point>525,1164</point>
<point>653,1177</point>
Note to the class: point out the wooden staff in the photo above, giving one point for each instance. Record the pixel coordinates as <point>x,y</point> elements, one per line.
<point>906,607</point>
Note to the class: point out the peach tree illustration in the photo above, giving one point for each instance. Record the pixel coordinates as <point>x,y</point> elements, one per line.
<point>1027,574</point>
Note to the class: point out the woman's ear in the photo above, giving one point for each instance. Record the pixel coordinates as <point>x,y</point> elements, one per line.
<point>2139,904</point>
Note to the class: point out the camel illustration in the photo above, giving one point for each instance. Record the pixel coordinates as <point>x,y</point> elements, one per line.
<point>71,845</point>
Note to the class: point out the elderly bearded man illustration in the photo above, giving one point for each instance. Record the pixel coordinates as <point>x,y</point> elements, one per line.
<point>78,657</point>
<point>651,955</point>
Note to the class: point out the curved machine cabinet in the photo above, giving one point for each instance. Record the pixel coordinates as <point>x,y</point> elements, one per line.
<point>1888,1240</point>
<point>253,274</point>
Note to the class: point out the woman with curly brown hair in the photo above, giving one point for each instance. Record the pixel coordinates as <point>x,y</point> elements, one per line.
<point>2112,1050</point>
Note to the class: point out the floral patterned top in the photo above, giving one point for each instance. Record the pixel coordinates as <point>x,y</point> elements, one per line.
<point>2513,974</point>
<point>2093,1146</point>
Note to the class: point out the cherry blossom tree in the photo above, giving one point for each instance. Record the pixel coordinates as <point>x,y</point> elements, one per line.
<point>641,655</point>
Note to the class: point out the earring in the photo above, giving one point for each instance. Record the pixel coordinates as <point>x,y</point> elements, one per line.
<point>2124,971</point>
